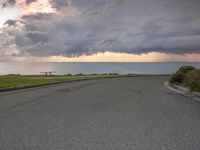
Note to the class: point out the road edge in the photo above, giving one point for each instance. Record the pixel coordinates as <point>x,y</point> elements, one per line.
<point>3,90</point>
<point>183,91</point>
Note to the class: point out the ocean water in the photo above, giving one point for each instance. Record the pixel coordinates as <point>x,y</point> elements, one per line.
<point>89,68</point>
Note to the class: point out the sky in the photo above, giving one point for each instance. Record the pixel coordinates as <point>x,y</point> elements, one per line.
<point>100,30</point>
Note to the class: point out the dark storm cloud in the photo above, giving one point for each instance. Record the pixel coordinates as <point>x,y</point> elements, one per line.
<point>8,3</point>
<point>30,1</point>
<point>59,3</point>
<point>38,16</point>
<point>131,26</point>
<point>10,22</point>
<point>37,37</point>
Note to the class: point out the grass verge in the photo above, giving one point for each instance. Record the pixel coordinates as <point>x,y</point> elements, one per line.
<point>15,81</point>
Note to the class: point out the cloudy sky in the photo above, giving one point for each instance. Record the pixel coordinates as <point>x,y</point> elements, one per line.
<point>99,30</point>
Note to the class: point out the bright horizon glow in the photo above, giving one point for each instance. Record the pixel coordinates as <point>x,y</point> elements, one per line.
<point>115,57</point>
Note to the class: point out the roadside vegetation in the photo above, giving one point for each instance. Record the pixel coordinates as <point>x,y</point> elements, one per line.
<point>187,76</point>
<point>17,80</point>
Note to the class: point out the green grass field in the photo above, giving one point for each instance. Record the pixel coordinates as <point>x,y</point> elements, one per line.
<point>12,81</point>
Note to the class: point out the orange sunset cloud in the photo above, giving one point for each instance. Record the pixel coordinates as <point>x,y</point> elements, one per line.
<point>116,57</point>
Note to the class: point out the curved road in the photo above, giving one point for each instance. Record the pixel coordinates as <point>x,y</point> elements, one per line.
<point>109,114</point>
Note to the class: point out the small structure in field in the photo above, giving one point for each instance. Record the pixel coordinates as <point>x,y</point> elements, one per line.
<point>48,73</point>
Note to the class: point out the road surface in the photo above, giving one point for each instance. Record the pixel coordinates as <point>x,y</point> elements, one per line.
<point>136,113</point>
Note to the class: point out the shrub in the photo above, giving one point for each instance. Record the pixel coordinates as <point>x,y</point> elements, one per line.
<point>104,74</point>
<point>192,80</point>
<point>176,78</point>
<point>80,74</point>
<point>68,74</point>
<point>93,74</point>
<point>180,75</point>
<point>113,74</point>
<point>185,69</point>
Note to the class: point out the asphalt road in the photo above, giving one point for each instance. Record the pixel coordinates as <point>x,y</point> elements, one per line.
<point>136,113</point>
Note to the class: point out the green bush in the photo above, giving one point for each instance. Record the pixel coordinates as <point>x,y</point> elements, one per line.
<point>113,74</point>
<point>176,78</point>
<point>192,80</point>
<point>80,74</point>
<point>180,75</point>
<point>68,74</point>
<point>104,74</point>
